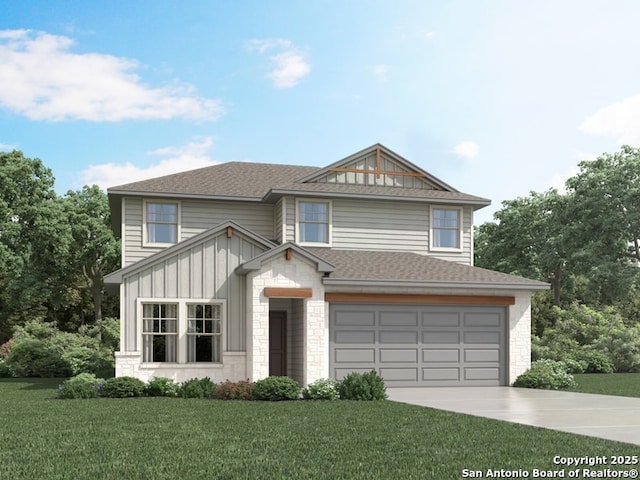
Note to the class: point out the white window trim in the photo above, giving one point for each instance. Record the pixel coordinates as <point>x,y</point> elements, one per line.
<point>460,229</point>
<point>181,346</point>
<point>330,221</point>
<point>145,241</point>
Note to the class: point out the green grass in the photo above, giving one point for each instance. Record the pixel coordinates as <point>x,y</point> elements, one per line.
<point>619,384</point>
<point>160,438</point>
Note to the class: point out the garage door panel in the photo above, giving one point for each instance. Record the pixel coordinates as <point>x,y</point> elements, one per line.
<point>391,375</point>
<point>482,374</point>
<point>474,319</point>
<point>441,319</point>
<point>442,355</point>
<point>482,337</point>
<point>481,355</point>
<point>414,345</point>
<point>440,337</point>
<point>394,336</point>
<point>400,319</point>
<point>399,355</point>
<point>363,318</point>
<point>355,355</point>
<point>451,374</point>
<point>355,336</point>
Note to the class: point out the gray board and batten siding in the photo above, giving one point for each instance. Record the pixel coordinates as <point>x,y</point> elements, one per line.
<point>420,345</point>
<point>201,270</point>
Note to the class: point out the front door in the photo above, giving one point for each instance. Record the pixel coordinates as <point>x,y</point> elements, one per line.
<point>277,343</point>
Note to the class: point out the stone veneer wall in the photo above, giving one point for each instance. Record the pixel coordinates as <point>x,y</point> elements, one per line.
<point>234,367</point>
<point>519,336</point>
<point>294,273</point>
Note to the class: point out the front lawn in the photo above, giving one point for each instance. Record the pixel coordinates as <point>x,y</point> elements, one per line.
<point>619,384</point>
<point>160,438</point>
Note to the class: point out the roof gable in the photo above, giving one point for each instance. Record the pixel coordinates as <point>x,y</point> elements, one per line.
<point>227,228</point>
<point>377,166</point>
<point>286,248</point>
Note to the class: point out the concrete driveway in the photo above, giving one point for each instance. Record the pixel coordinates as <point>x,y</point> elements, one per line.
<point>603,416</point>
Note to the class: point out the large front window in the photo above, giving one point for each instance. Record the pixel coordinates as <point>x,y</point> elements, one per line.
<point>159,331</point>
<point>313,222</point>
<point>446,228</point>
<point>203,333</point>
<point>162,222</point>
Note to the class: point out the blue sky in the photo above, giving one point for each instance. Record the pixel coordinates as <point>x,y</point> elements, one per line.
<point>496,98</point>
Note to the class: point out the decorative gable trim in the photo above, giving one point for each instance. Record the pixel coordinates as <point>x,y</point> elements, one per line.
<point>289,251</point>
<point>377,166</point>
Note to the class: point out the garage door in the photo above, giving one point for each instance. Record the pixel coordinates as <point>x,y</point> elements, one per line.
<point>420,345</point>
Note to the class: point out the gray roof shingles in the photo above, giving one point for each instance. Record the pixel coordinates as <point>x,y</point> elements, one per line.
<point>231,179</point>
<point>360,265</point>
<point>254,181</point>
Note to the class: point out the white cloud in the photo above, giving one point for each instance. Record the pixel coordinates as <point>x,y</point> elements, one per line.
<point>381,71</point>
<point>41,79</point>
<point>194,154</point>
<point>620,120</point>
<point>5,147</point>
<point>467,149</point>
<point>559,179</point>
<point>288,64</point>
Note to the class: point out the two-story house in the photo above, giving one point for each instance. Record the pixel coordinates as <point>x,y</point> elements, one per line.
<point>245,270</point>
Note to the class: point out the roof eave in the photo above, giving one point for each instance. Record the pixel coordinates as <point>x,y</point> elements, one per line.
<point>437,284</point>
<point>195,196</point>
<point>277,193</point>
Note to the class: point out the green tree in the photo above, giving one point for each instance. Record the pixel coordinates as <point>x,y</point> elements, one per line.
<point>527,239</point>
<point>96,251</point>
<point>604,207</point>
<point>34,242</point>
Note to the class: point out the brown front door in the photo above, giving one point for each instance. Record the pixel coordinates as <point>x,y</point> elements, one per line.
<point>277,343</point>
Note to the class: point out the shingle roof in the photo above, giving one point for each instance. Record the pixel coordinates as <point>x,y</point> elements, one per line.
<point>254,181</point>
<point>358,266</point>
<point>231,179</point>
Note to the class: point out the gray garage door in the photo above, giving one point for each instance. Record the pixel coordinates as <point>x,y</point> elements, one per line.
<point>420,345</point>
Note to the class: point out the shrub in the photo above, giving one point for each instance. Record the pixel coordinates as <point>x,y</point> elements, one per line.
<point>362,386</point>
<point>40,350</point>
<point>593,360</point>
<point>196,388</point>
<point>598,337</point>
<point>84,385</point>
<point>32,357</point>
<point>575,366</point>
<point>122,387</point>
<point>6,371</point>
<point>321,389</point>
<point>242,390</point>
<point>546,374</point>
<point>162,387</point>
<point>276,388</point>
<point>5,348</point>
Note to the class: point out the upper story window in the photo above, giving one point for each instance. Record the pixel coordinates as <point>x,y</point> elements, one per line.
<point>161,222</point>
<point>446,228</point>
<point>314,222</point>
